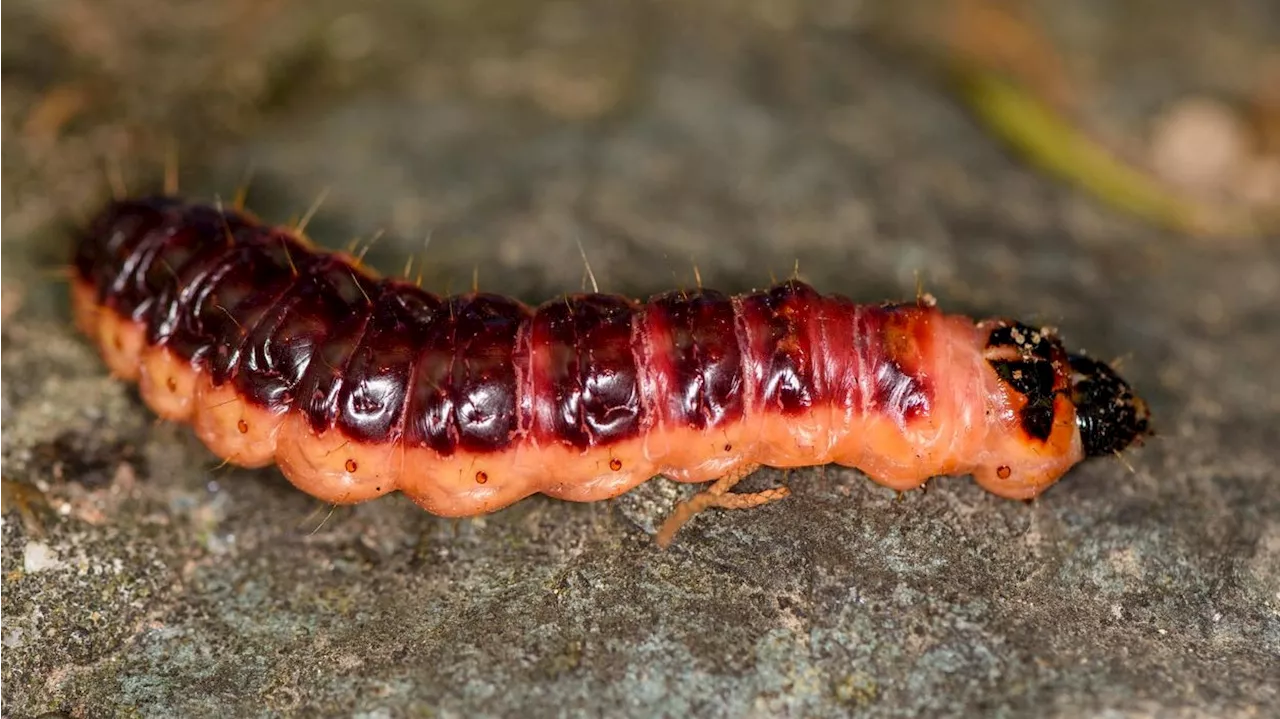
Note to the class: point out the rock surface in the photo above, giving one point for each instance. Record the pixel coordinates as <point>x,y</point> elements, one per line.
<point>140,579</point>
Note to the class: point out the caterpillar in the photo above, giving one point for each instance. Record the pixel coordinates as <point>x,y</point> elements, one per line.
<point>357,386</point>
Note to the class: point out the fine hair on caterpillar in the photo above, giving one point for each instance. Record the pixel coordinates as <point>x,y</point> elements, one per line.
<point>357,386</point>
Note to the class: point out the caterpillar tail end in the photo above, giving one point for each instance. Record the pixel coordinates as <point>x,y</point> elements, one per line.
<point>1108,413</point>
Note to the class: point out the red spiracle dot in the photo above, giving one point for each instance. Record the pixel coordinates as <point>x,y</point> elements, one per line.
<point>615,464</point>
<point>482,477</point>
<point>351,465</point>
<point>1003,471</point>
<point>243,426</point>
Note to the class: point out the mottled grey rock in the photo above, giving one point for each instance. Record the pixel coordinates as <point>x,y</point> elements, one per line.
<point>150,582</point>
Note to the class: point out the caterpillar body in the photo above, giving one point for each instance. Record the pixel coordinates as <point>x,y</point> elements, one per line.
<point>358,386</point>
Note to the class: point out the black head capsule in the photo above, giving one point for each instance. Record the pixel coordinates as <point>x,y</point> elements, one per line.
<point>1029,361</point>
<point>1110,416</point>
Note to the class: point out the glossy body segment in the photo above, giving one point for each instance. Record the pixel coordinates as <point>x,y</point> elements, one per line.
<point>694,359</point>
<point>357,386</point>
<point>279,349</point>
<point>584,371</point>
<point>774,329</point>
<point>465,386</point>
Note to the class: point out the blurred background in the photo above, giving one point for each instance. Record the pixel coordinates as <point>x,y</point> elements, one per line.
<point>416,117</point>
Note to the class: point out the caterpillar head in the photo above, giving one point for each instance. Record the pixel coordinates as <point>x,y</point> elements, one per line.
<point>1110,416</point>
<point>1034,363</point>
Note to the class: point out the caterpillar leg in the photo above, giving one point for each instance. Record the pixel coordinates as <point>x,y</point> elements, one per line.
<point>717,495</point>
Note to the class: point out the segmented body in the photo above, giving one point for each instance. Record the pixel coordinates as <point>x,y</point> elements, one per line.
<point>358,386</point>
